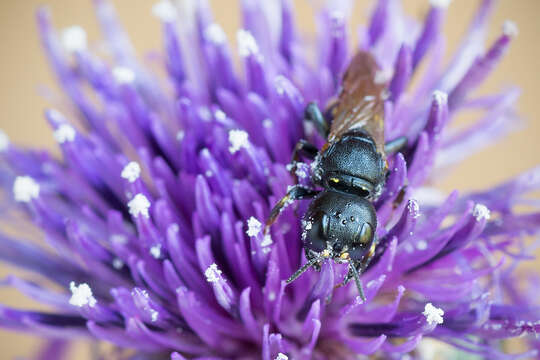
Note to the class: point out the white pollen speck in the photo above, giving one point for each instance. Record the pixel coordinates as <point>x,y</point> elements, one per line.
<point>4,141</point>
<point>81,295</point>
<point>414,208</point>
<point>440,96</point>
<point>238,140</point>
<point>180,135</point>
<point>64,133</point>
<point>208,173</point>
<point>510,28</point>
<point>212,273</point>
<point>281,356</point>
<point>131,172</point>
<point>165,11</point>
<point>481,212</point>
<point>155,251</point>
<point>254,226</point>
<point>267,240</point>
<point>215,34</point>
<point>139,205</point>
<point>220,115</point>
<point>118,239</point>
<point>421,245</point>
<point>301,173</point>
<point>25,189</point>
<point>154,315</point>
<point>440,3</point>
<point>74,38</point>
<point>434,315</point>
<point>117,263</point>
<point>267,123</point>
<point>246,43</point>
<point>123,75</point>
<point>279,83</point>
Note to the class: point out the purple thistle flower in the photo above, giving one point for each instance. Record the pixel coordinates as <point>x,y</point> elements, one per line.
<point>153,216</point>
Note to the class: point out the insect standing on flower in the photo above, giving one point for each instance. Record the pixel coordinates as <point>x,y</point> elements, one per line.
<point>350,168</point>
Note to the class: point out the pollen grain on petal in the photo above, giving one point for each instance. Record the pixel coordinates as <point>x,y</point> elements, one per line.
<point>434,315</point>
<point>25,189</point>
<point>139,205</point>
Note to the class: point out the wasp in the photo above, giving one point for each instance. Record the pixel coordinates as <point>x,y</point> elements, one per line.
<point>350,170</point>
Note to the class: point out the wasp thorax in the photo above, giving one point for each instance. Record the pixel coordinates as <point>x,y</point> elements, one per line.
<point>341,222</point>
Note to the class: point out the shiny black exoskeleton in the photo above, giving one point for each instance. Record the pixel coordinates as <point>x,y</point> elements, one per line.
<point>340,222</point>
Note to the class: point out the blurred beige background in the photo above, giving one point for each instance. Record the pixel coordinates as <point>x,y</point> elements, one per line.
<point>23,70</point>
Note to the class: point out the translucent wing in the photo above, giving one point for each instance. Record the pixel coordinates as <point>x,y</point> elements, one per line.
<point>360,101</point>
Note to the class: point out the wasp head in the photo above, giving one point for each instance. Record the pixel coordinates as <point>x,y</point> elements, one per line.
<point>340,226</point>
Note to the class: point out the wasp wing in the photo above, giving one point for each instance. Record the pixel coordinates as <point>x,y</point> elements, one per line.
<point>360,103</point>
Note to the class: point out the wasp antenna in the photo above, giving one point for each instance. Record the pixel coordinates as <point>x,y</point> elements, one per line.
<point>302,270</point>
<point>356,276</point>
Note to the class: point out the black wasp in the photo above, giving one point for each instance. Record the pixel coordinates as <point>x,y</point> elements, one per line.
<point>350,168</point>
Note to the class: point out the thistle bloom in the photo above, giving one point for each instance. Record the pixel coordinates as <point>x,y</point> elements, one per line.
<point>153,216</point>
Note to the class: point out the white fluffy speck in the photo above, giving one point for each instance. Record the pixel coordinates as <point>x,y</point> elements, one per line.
<point>165,11</point>
<point>214,33</point>
<point>208,173</point>
<point>118,239</point>
<point>155,251</point>
<point>279,82</point>
<point>220,115</point>
<point>131,172</point>
<point>81,295</point>
<point>180,135</point>
<point>301,173</point>
<point>440,96</point>
<point>139,205</point>
<point>281,356</point>
<point>440,3</point>
<point>414,208</point>
<point>25,189</point>
<point>117,263</point>
<point>510,28</point>
<point>154,315</point>
<point>254,226</point>
<point>4,141</point>
<point>238,140</point>
<point>74,38</point>
<point>212,273</point>
<point>481,212</point>
<point>247,45</point>
<point>433,314</point>
<point>267,123</point>
<point>267,240</point>
<point>123,75</point>
<point>64,133</point>
<point>421,245</point>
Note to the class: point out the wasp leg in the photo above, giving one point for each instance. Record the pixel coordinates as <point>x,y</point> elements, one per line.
<point>359,267</point>
<point>296,192</point>
<point>302,148</point>
<point>314,114</point>
<point>302,270</point>
<point>395,145</point>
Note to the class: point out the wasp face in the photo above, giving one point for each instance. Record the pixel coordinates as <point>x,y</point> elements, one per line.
<point>339,225</point>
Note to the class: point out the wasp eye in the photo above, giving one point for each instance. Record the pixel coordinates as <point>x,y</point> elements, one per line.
<point>365,234</point>
<point>325,224</point>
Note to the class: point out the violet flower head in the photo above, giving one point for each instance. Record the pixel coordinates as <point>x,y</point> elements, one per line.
<point>153,216</point>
